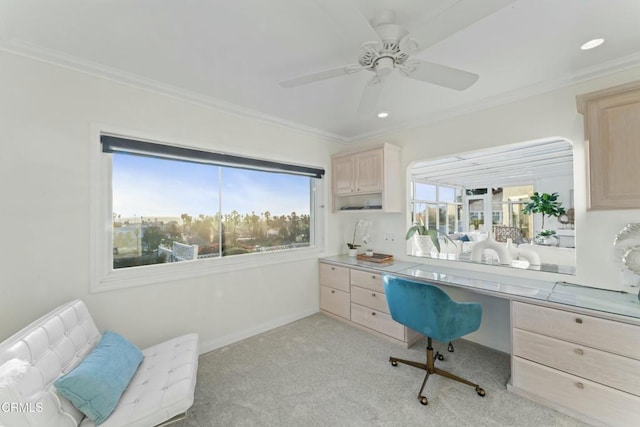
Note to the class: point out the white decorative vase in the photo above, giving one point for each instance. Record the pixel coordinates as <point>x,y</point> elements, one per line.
<point>552,240</point>
<point>423,244</point>
<point>353,252</point>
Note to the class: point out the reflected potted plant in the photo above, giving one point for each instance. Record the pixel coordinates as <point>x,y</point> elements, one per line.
<point>546,204</point>
<point>425,237</point>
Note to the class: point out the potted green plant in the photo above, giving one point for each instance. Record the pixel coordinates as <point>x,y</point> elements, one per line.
<point>419,232</point>
<point>547,205</point>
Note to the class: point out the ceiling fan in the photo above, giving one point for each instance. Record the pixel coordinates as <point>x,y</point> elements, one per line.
<point>392,51</point>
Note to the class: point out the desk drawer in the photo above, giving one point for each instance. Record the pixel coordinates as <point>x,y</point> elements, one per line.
<point>610,406</point>
<point>369,298</point>
<point>335,301</point>
<point>334,276</point>
<point>605,368</point>
<point>377,320</point>
<point>367,280</point>
<point>607,335</point>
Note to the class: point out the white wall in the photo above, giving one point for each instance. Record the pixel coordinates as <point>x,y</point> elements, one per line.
<point>45,117</point>
<point>551,114</point>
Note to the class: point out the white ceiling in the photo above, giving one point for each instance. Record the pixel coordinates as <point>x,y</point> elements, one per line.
<point>233,54</point>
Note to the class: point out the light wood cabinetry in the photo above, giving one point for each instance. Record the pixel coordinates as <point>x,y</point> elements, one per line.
<point>358,296</point>
<point>335,290</point>
<point>612,132</point>
<point>359,172</point>
<point>368,179</point>
<point>585,365</point>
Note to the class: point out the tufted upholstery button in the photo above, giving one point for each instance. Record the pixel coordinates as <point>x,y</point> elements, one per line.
<point>165,387</point>
<point>136,401</point>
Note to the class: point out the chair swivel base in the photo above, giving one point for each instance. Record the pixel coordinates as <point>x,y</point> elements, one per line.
<point>431,369</point>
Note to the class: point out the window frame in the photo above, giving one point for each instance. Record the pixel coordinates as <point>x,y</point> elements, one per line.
<point>438,204</point>
<point>104,277</point>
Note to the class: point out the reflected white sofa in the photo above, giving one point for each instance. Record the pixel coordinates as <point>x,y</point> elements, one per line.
<point>161,389</point>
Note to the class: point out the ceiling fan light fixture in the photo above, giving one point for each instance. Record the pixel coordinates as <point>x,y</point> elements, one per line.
<point>591,44</point>
<point>383,114</point>
<point>384,66</point>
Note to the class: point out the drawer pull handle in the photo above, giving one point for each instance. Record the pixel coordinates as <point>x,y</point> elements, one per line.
<point>373,313</point>
<point>333,292</point>
<point>578,320</point>
<point>373,294</point>
<point>579,351</point>
<point>373,277</point>
<point>580,385</point>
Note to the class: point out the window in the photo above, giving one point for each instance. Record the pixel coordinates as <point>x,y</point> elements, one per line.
<point>169,205</point>
<point>437,207</point>
<point>506,204</point>
<point>445,208</point>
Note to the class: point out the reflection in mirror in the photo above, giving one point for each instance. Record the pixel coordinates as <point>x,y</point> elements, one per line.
<point>478,199</point>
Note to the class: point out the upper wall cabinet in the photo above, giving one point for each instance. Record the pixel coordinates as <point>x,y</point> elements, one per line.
<point>368,180</point>
<point>612,132</point>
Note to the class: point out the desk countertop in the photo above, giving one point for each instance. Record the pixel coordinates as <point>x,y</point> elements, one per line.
<point>513,288</point>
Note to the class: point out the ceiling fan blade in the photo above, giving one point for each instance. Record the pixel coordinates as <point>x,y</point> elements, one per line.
<point>322,75</point>
<point>452,19</point>
<point>440,75</point>
<point>370,96</point>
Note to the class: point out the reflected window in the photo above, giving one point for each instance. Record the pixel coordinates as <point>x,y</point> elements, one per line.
<point>437,207</point>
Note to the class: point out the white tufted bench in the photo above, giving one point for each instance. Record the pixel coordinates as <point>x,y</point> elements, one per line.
<point>161,390</point>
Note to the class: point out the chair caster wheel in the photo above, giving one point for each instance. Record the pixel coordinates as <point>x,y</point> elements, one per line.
<point>440,357</point>
<point>423,400</point>
<point>393,363</point>
<point>480,391</point>
<point>450,348</point>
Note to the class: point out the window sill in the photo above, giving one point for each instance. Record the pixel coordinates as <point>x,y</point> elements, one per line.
<point>153,274</point>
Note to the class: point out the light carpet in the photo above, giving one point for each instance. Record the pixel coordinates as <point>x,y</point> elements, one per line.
<point>319,371</point>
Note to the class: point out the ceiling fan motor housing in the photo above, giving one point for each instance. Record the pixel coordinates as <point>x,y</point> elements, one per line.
<point>382,56</point>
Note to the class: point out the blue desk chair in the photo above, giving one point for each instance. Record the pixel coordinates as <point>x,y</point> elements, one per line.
<point>429,310</point>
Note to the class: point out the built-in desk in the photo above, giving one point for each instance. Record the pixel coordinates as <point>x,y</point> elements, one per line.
<point>573,348</point>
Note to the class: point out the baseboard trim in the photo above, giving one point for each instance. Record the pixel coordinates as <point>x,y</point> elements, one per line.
<point>216,343</point>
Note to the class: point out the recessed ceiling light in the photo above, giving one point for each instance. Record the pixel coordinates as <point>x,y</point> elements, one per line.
<point>591,44</point>
<point>383,114</point>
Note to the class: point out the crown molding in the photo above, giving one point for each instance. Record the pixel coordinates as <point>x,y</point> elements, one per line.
<point>586,74</point>
<point>61,59</point>
<point>58,58</point>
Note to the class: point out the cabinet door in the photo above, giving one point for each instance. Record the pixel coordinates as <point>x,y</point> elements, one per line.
<point>368,171</point>
<point>612,130</point>
<point>335,301</point>
<point>343,175</point>
<point>334,277</point>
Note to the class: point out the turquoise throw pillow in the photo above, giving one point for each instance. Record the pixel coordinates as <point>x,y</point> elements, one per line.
<point>96,384</point>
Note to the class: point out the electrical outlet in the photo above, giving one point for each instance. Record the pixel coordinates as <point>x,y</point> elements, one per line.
<point>389,237</point>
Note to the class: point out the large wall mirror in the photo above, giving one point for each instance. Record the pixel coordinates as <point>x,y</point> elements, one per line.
<point>478,203</point>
